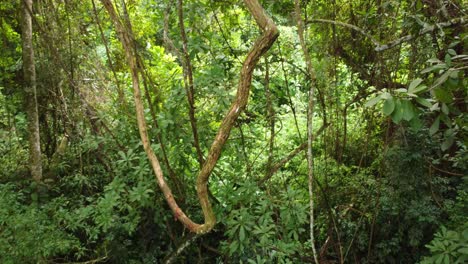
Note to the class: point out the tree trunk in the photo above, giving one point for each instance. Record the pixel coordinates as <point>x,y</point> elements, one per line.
<point>30,91</point>
<point>310,115</point>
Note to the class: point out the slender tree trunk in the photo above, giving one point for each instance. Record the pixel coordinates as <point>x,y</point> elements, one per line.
<point>310,115</point>
<point>30,98</point>
<point>270,116</point>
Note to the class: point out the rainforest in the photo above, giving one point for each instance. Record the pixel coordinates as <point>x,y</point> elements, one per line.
<point>233,131</point>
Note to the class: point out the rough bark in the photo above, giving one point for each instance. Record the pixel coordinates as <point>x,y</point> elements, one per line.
<point>261,46</point>
<point>29,71</point>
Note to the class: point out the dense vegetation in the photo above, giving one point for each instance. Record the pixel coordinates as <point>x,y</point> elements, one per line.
<point>351,148</point>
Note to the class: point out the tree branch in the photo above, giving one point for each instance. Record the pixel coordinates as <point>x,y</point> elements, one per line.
<point>310,118</point>
<point>261,46</point>
<point>425,30</point>
<point>339,23</point>
<point>381,47</point>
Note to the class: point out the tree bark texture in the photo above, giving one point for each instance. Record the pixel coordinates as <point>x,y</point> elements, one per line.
<point>30,98</point>
<point>261,46</point>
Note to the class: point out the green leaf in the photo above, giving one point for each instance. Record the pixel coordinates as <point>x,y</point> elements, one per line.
<point>439,259</point>
<point>34,197</point>
<point>389,106</point>
<point>446,259</point>
<point>233,247</point>
<point>419,89</point>
<point>448,59</point>
<point>454,74</point>
<point>401,90</point>
<point>452,52</point>
<point>416,123</point>
<point>407,110</point>
<point>386,95</point>
<point>397,115</point>
<point>434,60</point>
<point>423,102</point>
<point>442,79</point>
<point>414,84</point>
<point>373,101</point>
<point>448,142</point>
<point>465,235</point>
<point>435,126</point>
<point>443,95</point>
<point>445,109</point>
<point>434,68</point>
<point>241,233</point>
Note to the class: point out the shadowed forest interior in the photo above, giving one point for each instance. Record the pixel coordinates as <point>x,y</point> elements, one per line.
<point>233,131</point>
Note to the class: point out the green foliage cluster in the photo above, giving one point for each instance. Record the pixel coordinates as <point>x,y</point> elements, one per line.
<point>390,166</point>
<point>261,228</point>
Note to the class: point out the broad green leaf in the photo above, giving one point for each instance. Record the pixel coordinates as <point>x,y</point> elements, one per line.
<point>407,110</point>
<point>233,247</point>
<point>448,121</point>
<point>452,52</point>
<point>397,114</point>
<point>434,68</point>
<point>419,89</point>
<point>401,90</point>
<point>465,236</point>
<point>454,74</point>
<point>34,197</point>
<point>416,123</point>
<point>241,233</point>
<point>435,126</point>
<point>373,101</point>
<point>446,259</point>
<point>442,79</point>
<point>434,60</point>
<point>443,95</point>
<point>389,106</point>
<point>414,84</point>
<point>434,107</point>
<point>448,60</point>
<point>445,109</point>
<point>423,102</point>
<point>386,95</point>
